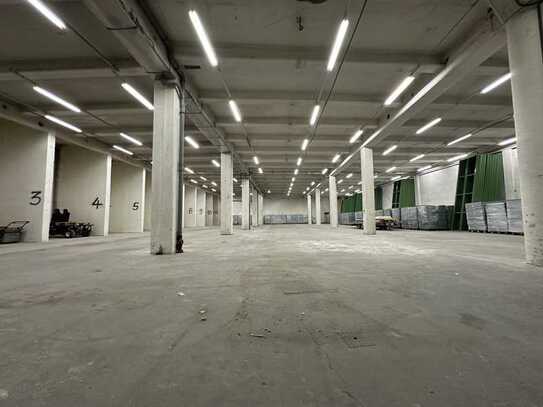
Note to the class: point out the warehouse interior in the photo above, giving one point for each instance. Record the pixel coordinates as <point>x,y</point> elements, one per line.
<point>255,203</point>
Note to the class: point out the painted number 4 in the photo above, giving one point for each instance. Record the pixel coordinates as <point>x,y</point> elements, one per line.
<point>96,203</point>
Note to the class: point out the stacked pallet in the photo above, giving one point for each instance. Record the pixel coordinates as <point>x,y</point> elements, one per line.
<point>387,212</point>
<point>396,214</point>
<point>296,219</point>
<point>475,215</point>
<point>433,217</point>
<point>496,217</point>
<point>409,218</point>
<point>514,216</point>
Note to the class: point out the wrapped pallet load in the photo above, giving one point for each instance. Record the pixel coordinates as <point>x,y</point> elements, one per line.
<point>496,217</point>
<point>434,217</point>
<point>514,216</point>
<point>409,218</point>
<point>475,216</point>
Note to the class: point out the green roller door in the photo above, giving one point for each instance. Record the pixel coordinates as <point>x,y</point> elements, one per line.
<point>489,182</point>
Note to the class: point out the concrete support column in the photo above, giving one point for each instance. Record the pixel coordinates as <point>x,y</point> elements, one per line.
<point>332,192</point>
<point>318,206</point>
<point>260,209</point>
<point>245,204</point>
<point>368,190</point>
<point>227,220</point>
<point>309,214</point>
<point>165,185</point>
<point>524,46</point>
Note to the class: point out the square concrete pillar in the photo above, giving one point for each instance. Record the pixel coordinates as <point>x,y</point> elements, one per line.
<point>332,194</point>
<point>368,190</point>
<point>83,186</point>
<point>27,160</point>
<point>147,208</point>
<point>260,209</point>
<point>191,206</point>
<point>309,212</point>
<point>318,206</point>
<point>227,193</point>
<point>127,198</point>
<point>245,204</point>
<point>166,134</point>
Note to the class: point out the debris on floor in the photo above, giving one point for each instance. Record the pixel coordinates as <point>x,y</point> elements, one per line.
<point>3,394</point>
<point>256,335</point>
<point>203,314</point>
<point>181,294</point>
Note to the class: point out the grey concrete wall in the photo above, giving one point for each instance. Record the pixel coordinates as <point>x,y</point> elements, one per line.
<point>437,187</point>
<point>274,205</point>
<point>26,178</point>
<point>511,173</point>
<point>147,209</point>
<point>83,186</point>
<point>127,198</point>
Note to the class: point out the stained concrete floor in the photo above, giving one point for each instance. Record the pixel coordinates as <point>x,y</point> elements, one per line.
<point>296,316</point>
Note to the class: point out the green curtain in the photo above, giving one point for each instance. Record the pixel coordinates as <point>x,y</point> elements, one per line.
<point>407,193</point>
<point>489,184</point>
<point>357,202</point>
<point>378,198</point>
<point>348,204</point>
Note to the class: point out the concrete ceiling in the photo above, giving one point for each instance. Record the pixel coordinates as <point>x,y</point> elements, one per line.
<point>275,72</point>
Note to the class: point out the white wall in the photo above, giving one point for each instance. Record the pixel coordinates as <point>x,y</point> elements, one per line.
<point>437,187</point>
<point>200,208</point>
<point>209,209</point>
<point>190,206</point>
<point>511,173</point>
<point>147,209</point>
<point>83,177</point>
<point>388,190</point>
<point>26,178</point>
<point>293,206</point>
<point>127,198</point>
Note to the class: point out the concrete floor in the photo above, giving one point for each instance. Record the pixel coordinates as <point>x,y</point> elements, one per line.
<point>296,316</point>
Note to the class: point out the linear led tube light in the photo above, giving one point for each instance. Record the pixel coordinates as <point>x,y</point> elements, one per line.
<point>234,179</point>
<point>57,99</point>
<point>204,39</point>
<point>340,36</point>
<point>349,175</point>
<point>305,144</point>
<point>396,178</point>
<point>508,141</point>
<point>314,115</point>
<point>418,157</point>
<point>356,136</point>
<point>500,81</point>
<point>312,183</point>
<point>408,80</point>
<point>299,161</point>
<point>187,169</point>
<point>427,167</point>
<point>324,171</point>
<point>260,170</point>
<point>256,160</point>
<point>192,142</point>
<point>124,150</point>
<point>340,181</point>
<point>215,163</point>
<point>459,139</point>
<point>131,139</point>
<point>296,171</point>
<point>293,179</point>
<point>63,123</point>
<point>213,183</point>
<point>390,169</point>
<point>213,189</point>
<point>48,13</point>
<point>389,150</point>
<point>429,125</point>
<point>456,158</point>
<point>204,186</point>
<point>336,158</point>
<point>193,181</point>
<point>203,178</point>
<point>235,110</point>
<point>138,96</point>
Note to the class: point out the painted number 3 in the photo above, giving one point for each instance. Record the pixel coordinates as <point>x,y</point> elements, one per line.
<point>35,198</point>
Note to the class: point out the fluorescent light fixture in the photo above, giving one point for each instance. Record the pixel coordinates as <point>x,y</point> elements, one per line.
<point>312,183</point>
<point>299,161</point>
<point>187,169</point>
<point>508,141</point>
<point>307,189</point>
<point>293,179</point>
<point>124,150</point>
<point>427,167</point>
<point>213,189</point>
<point>314,115</point>
<point>408,80</point>
<point>389,150</point>
<point>305,144</point>
<point>63,123</point>
<point>418,157</point>
<point>351,186</point>
<point>193,181</point>
<point>48,13</point>
<point>138,96</point>
<point>131,139</point>
<point>396,178</point>
<point>192,142</point>
<point>429,125</point>
<point>390,169</point>
<point>57,99</point>
<point>256,160</point>
<point>458,140</point>
<point>203,178</point>
<point>296,171</point>
<point>234,179</point>
<point>500,81</point>
<point>235,110</point>
<point>326,190</point>
<point>204,186</point>
<point>204,39</point>
<point>349,175</point>
<point>356,136</point>
<point>269,192</point>
<point>215,163</point>
<point>260,170</point>
<point>336,158</point>
<point>360,183</point>
<point>375,176</point>
<point>340,36</point>
<point>213,183</point>
<point>340,181</point>
<point>343,190</point>
<point>456,158</point>
<point>324,171</point>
